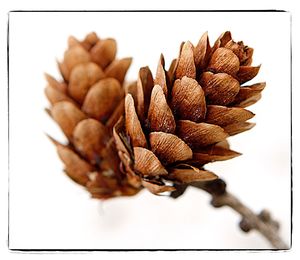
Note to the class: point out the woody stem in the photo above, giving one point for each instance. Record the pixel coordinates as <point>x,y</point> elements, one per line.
<point>262,222</point>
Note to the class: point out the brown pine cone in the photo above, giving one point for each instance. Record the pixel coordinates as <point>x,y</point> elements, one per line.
<point>177,122</point>
<point>86,105</point>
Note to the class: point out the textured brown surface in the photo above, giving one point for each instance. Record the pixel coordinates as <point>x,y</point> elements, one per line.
<point>159,131</point>
<point>180,119</point>
<point>86,105</point>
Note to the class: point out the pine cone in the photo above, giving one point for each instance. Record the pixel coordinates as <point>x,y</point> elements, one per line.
<point>177,122</point>
<point>86,105</point>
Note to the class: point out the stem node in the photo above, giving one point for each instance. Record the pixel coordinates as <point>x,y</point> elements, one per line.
<point>262,222</point>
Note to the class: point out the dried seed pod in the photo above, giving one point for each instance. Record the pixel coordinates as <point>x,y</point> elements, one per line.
<point>188,99</point>
<point>202,88</point>
<point>220,88</point>
<point>133,126</point>
<point>200,134</point>
<point>186,65</point>
<point>147,163</point>
<point>91,158</point>
<point>188,173</point>
<point>249,95</point>
<point>172,70</point>
<point>178,120</point>
<point>143,91</point>
<point>160,116</point>
<point>90,40</point>
<point>118,69</point>
<point>244,53</point>
<point>60,86</point>
<point>67,115</point>
<point>237,128</point>
<point>202,52</point>
<point>224,61</point>
<point>104,52</point>
<point>247,73</point>
<point>222,116</point>
<point>55,96</point>
<point>160,78</point>
<point>82,77</point>
<point>223,39</point>
<point>102,99</point>
<point>212,154</point>
<point>74,56</point>
<point>169,148</point>
<point>90,146</point>
<point>76,168</point>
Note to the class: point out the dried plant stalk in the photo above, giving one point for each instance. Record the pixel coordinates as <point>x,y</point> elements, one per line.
<point>263,223</point>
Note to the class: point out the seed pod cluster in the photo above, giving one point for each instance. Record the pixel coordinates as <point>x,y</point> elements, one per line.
<point>159,131</point>
<point>179,120</point>
<point>86,104</point>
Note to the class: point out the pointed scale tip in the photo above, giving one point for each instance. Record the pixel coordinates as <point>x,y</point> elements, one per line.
<point>118,68</point>
<point>187,173</point>
<point>160,115</point>
<point>55,142</point>
<point>104,52</point>
<point>147,163</point>
<point>132,123</point>
<point>186,65</point>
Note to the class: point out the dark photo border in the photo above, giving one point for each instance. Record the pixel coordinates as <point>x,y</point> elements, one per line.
<point>152,11</point>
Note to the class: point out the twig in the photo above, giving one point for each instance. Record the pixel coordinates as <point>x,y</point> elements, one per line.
<point>263,222</point>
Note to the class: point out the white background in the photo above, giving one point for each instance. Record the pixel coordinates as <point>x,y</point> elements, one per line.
<point>49,211</point>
